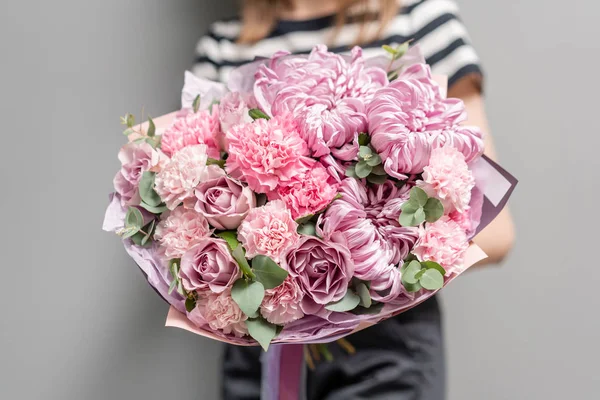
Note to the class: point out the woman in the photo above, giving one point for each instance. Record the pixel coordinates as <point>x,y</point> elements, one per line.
<point>401,358</point>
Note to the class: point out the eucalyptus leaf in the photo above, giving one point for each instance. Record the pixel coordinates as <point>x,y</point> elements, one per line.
<point>409,218</point>
<point>180,289</point>
<point>346,303</point>
<point>364,139</point>
<point>420,273</point>
<point>262,331</point>
<point>128,131</point>
<point>149,230</point>
<point>128,232</point>
<point>268,272</point>
<point>255,114</point>
<point>214,161</point>
<point>129,120</point>
<point>134,218</point>
<point>373,310</point>
<point>308,229</point>
<point>196,104</point>
<point>190,304</point>
<point>389,49</point>
<point>410,272</point>
<point>364,151</point>
<point>401,50</point>
<point>374,160</point>
<point>239,254</point>
<point>412,288</point>
<point>418,195</point>
<point>351,171</point>
<point>432,279</point>
<point>433,209</point>
<point>419,216</point>
<point>304,219</point>
<point>151,128</point>
<point>230,237</point>
<point>147,192</point>
<point>433,265</point>
<point>362,169</point>
<point>138,238</point>
<point>172,286</point>
<point>377,179</point>
<point>378,170</point>
<point>154,209</point>
<point>248,295</point>
<point>363,293</point>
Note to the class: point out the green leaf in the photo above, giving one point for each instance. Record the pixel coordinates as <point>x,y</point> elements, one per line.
<point>351,171</point>
<point>239,254</point>
<point>262,331</point>
<point>410,272</point>
<point>432,279</point>
<point>190,304</point>
<point>433,209</point>
<point>212,104</point>
<point>128,131</point>
<point>377,179</point>
<point>411,217</point>
<point>147,192</point>
<point>180,289</point>
<point>151,128</point>
<point>128,232</point>
<point>255,114</point>
<point>196,104</point>
<point>420,273</point>
<point>374,160</point>
<point>418,196</point>
<point>362,169</point>
<point>364,151</point>
<point>268,272</point>
<point>373,310</point>
<point>213,161</point>
<point>305,219</point>
<point>433,265</point>
<point>389,49</point>
<point>154,209</point>
<point>346,303</point>
<point>308,229</point>
<point>248,295</point>
<point>128,120</point>
<point>230,237</point>
<point>412,288</point>
<point>172,286</point>
<point>364,139</point>
<point>134,218</point>
<point>364,295</point>
<point>419,216</point>
<point>153,141</point>
<point>392,75</point>
<point>149,230</point>
<point>261,199</point>
<point>401,50</point>
<point>378,170</point>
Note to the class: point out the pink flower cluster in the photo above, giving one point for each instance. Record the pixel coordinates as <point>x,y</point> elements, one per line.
<point>298,185</point>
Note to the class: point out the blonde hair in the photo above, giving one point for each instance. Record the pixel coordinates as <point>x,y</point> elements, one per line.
<point>260,16</point>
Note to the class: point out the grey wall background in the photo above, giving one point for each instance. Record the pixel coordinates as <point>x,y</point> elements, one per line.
<point>78,322</point>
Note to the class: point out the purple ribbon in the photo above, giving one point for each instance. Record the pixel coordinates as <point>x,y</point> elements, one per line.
<point>282,372</point>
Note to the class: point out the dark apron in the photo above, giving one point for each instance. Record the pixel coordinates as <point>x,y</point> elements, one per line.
<point>401,358</point>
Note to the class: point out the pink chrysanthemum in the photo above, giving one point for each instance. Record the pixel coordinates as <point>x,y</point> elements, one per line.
<point>448,178</point>
<point>309,192</point>
<point>409,118</point>
<point>325,92</point>
<point>180,231</point>
<point>281,305</point>
<point>268,230</point>
<point>178,179</point>
<point>202,127</point>
<point>444,242</point>
<point>266,153</point>
<point>368,218</point>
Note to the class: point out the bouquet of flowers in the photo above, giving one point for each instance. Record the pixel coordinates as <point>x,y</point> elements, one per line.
<point>311,196</point>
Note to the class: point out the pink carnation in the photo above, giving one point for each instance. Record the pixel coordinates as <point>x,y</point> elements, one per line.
<point>409,118</point>
<point>444,242</point>
<point>233,110</point>
<point>448,178</point>
<point>135,158</point>
<point>192,129</point>
<point>368,219</point>
<point>268,230</point>
<point>221,313</point>
<point>309,192</point>
<point>177,181</point>
<point>266,153</point>
<point>181,230</point>
<point>281,305</point>
<point>326,93</point>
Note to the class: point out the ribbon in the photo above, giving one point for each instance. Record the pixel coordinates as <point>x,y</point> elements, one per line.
<point>283,372</point>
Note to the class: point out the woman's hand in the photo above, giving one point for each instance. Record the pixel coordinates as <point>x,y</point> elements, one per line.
<point>498,237</point>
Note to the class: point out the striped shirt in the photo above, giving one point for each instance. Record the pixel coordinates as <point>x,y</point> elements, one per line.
<point>434,24</point>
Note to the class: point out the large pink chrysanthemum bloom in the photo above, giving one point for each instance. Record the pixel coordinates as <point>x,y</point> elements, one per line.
<point>368,218</point>
<point>202,127</point>
<point>325,92</point>
<point>266,153</point>
<point>409,118</point>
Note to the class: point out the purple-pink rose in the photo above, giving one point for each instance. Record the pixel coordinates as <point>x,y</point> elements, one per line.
<point>224,201</point>
<point>323,270</point>
<point>136,158</point>
<point>409,118</point>
<point>209,266</point>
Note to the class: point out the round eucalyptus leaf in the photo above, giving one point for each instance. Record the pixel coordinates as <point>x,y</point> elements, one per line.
<point>433,265</point>
<point>432,279</point>
<point>410,272</point>
<point>374,160</point>
<point>248,295</point>
<point>433,209</point>
<point>418,196</point>
<point>362,169</point>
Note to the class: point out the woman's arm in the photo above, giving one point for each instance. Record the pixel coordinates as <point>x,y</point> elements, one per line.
<point>498,237</point>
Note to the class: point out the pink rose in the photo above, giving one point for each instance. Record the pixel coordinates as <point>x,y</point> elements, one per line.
<point>409,118</point>
<point>193,129</point>
<point>180,230</point>
<point>281,305</point>
<point>268,230</point>
<point>265,153</point>
<point>368,219</point>
<point>136,158</point>
<point>309,192</point>
<point>177,181</point>
<point>221,313</point>
<point>233,110</point>
<point>325,92</point>
<point>444,242</point>
<point>223,200</point>
<point>323,270</point>
<point>209,265</point>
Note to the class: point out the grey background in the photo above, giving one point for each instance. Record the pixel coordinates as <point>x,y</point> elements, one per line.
<point>78,322</point>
